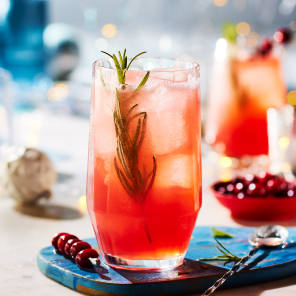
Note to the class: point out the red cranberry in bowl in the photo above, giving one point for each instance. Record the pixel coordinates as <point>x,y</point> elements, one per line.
<point>264,177</point>
<point>256,189</point>
<point>62,241</point>
<point>77,247</point>
<point>291,193</point>
<point>239,187</point>
<point>82,258</point>
<point>250,178</point>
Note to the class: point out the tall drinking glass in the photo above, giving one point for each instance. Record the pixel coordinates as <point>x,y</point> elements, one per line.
<point>144,167</point>
<point>243,89</point>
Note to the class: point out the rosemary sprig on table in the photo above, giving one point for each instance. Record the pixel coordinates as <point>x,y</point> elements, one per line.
<point>221,234</point>
<point>136,181</point>
<point>226,255</point>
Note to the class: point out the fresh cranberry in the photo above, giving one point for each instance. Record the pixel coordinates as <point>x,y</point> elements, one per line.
<point>82,258</point>
<point>283,35</point>
<point>256,189</point>
<point>273,186</point>
<point>62,241</point>
<point>237,180</point>
<point>239,187</point>
<point>54,241</point>
<point>265,47</point>
<point>77,247</point>
<point>264,177</point>
<point>222,189</point>
<point>250,178</point>
<point>240,195</point>
<point>282,188</point>
<point>229,188</point>
<point>68,245</point>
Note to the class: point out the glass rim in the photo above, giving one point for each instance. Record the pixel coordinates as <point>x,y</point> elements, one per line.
<point>195,65</point>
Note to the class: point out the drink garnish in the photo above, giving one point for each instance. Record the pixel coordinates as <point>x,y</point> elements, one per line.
<point>135,181</point>
<point>220,233</point>
<point>226,255</point>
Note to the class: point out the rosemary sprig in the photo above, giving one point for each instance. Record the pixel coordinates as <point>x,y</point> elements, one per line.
<point>226,254</point>
<point>220,233</point>
<point>136,181</point>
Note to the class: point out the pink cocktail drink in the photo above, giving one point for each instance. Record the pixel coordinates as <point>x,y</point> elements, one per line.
<point>143,208</point>
<point>241,93</point>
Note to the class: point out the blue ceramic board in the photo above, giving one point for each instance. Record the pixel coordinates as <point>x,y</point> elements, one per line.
<point>267,264</point>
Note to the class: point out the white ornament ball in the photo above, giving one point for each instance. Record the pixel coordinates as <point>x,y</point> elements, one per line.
<point>27,174</point>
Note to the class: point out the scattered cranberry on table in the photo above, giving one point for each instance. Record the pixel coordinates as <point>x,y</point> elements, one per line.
<point>62,241</point>
<point>77,247</point>
<point>54,241</point>
<point>82,258</point>
<point>264,185</point>
<point>69,244</point>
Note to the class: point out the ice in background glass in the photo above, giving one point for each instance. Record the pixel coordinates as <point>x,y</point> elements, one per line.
<point>148,227</point>
<point>243,89</point>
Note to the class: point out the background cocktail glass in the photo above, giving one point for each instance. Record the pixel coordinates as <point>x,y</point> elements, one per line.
<point>147,227</point>
<point>243,89</point>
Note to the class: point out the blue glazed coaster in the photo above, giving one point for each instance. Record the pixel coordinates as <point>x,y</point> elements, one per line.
<point>267,264</point>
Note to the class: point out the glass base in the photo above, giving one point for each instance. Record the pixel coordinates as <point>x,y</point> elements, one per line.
<point>131,264</point>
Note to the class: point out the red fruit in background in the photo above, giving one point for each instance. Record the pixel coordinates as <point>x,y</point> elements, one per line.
<point>264,177</point>
<point>273,186</point>
<point>265,47</point>
<point>256,189</point>
<point>69,244</point>
<point>82,258</point>
<point>229,188</point>
<point>62,241</point>
<point>237,180</point>
<point>239,187</point>
<point>54,240</point>
<point>77,247</point>
<point>283,35</point>
<point>250,178</point>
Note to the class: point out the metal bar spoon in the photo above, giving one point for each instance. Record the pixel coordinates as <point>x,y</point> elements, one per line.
<point>265,236</point>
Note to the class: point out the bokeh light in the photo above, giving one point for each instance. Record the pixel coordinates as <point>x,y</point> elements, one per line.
<point>225,162</point>
<point>101,44</point>
<point>243,29</point>
<point>221,49</point>
<point>220,3</point>
<point>252,39</point>
<point>225,176</point>
<point>284,142</point>
<point>58,92</point>
<point>292,97</point>
<point>109,30</point>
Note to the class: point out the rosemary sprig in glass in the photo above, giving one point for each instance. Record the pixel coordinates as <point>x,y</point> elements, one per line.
<point>135,180</point>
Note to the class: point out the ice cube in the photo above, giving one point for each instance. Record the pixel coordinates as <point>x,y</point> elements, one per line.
<point>102,121</point>
<point>175,73</point>
<point>174,171</point>
<point>166,131</point>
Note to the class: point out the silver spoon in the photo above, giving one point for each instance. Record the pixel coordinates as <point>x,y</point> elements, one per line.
<point>269,235</point>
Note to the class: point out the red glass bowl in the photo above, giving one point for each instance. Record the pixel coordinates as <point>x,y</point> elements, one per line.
<point>257,208</point>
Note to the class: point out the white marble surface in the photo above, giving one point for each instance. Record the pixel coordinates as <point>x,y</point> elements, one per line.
<point>23,235</point>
